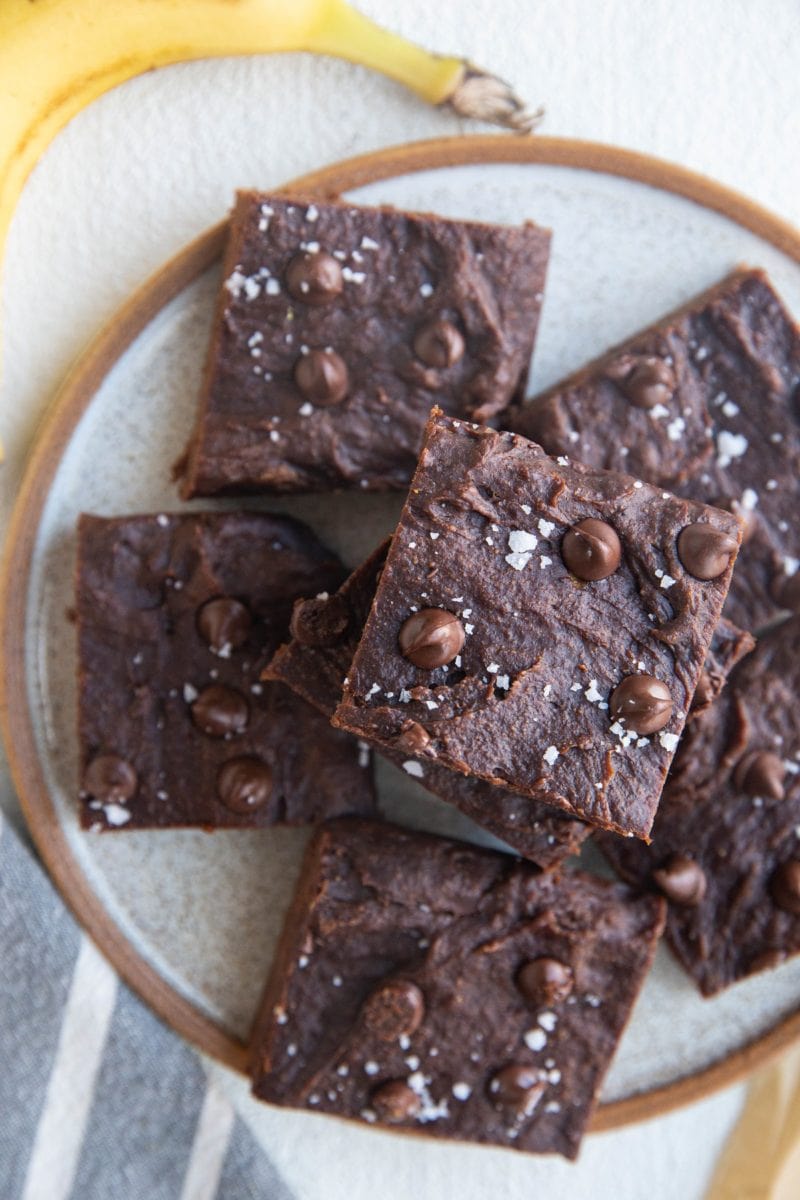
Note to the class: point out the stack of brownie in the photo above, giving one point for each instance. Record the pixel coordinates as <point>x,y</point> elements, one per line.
<point>530,644</point>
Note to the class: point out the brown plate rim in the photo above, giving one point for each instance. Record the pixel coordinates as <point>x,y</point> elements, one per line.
<point>71,401</point>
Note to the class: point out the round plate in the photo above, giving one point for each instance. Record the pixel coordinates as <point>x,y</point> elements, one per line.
<point>188,919</point>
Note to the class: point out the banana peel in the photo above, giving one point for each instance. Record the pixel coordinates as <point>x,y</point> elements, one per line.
<point>56,56</point>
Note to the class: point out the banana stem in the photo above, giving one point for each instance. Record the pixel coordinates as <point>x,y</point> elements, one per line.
<point>446,81</point>
<point>341,27</point>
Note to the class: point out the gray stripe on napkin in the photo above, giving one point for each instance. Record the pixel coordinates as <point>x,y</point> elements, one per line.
<point>39,944</point>
<point>247,1173</point>
<point>146,1104</point>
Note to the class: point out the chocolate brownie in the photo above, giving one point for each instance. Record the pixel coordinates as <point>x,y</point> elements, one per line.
<point>338,328</point>
<point>706,402</point>
<point>541,625</point>
<point>176,617</point>
<point>729,645</point>
<point>726,839</point>
<point>424,984</point>
<point>326,631</point>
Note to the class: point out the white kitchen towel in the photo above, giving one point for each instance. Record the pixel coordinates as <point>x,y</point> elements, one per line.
<point>98,1099</point>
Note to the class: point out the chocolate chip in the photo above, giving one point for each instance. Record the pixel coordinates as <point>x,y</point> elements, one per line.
<point>223,622</point>
<point>431,638</point>
<point>516,1090</point>
<point>545,981</point>
<point>591,549</point>
<point>643,702</point>
<point>704,692</point>
<point>413,739</point>
<point>760,773</point>
<point>394,1010</point>
<point>219,710</point>
<point>438,344</point>
<point>315,278</point>
<point>321,375</point>
<point>785,886</point>
<point>320,622</point>
<point>110,778</point>
<point>787,591</point>
<point>394,1102</point>
<point>747,516</point>
<point>682,880</point>
<point>705,552</point>
<point>244,784</point>
<point>645,383</point>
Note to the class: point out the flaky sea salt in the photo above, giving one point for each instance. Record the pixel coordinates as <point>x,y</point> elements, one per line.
<point>535,1039</point>
<point>730,446</point>
<point>116,815</point>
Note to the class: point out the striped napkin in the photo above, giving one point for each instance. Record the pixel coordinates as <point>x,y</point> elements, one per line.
<point>99,1100</point>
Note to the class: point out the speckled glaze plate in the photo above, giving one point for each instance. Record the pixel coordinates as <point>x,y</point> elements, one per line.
<point>190,919</point>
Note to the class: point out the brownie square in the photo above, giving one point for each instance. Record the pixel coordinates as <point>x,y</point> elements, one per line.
<point>487,653</point>
<point>177,615</point>
<point>706,402</point>
<point>326,632</point>
<point>729,645</point>
<point>428,985</point>
<point>725,848</point>
<point>338,328</point>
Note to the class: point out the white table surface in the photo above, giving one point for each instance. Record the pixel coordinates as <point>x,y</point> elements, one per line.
<point>713,86</point>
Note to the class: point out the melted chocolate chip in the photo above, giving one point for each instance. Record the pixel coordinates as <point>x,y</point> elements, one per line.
<point>320,622</point>
<point>591,549</point>
<point>315,278</point>
<point>787,591</point>
<point>394,1010</point>
<point>394,1102</point>
<point>322,377</point>
<point>516,1090</point>
<point>110,778</point>
<point>545,981</point>
<point>682,880</point>
<point>431,638</point>
<point>785,886</point>
<point>643,702</point>
<point>705,552</point>
<point>646,383</point>
<point>747,516</point>
<point>413,738</point>
<point>244,784</point>
<point>760,773</point>
<point>438,344</point>
<point>223,622</point>
<point>219,710</point>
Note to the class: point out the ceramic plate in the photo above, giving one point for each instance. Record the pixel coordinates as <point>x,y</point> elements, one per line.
<point>190,918</point>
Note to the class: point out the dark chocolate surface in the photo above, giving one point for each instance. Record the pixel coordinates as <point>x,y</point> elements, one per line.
<point>729,644</point>
<point>722,380</point>
<point>530,703</point>
<point>175,726</point>
<point>317,671</point>
<point>739,826</point>
<point>308,391</point>
<point>403,991</point>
